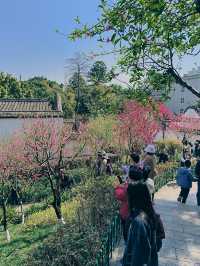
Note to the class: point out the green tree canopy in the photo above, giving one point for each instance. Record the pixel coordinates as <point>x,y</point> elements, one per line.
<point>151,36</point>
<point>10,87</point>
<point>98,72</point>
<point>37,87</point>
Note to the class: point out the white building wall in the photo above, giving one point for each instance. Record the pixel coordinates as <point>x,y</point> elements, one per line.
<point>9,126</point>
<point>181,98</point>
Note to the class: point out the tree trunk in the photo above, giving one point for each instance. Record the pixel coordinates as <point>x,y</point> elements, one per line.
<point>163,135</point>
<point>181,82</point>
<point>22,212</point>
<point>5,221</point>
<point>57,206</point>
<point>21,206</point>
<point>56,195</point>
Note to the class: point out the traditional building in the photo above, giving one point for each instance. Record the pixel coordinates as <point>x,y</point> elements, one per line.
<point>180,97</point>
<point>13,113</point>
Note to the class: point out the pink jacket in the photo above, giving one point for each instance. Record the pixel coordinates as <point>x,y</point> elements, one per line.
<point>121,196</point>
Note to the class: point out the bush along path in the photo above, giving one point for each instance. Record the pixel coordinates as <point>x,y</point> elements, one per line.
<point>88,213</point>
<point>182,222</point>
<point>113,233</point>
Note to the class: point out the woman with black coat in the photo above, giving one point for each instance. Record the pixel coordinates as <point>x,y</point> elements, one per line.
<point>143,243</point>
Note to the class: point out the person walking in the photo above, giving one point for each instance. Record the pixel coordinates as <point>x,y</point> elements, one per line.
<point>142,243</point>
<point>100,164</point>
<point>109,168</point>
<point>184,179</point>
<point>150,160</point>
<point>197,175</point>
<point>134,175</point>
<point>196,148</point>
<point>148,181</point>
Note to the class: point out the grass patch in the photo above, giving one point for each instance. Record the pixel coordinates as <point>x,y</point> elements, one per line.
<point>23,241</point>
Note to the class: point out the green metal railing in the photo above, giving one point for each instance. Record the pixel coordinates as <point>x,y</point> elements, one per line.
<point>109,242</point>
<point>114,232</point>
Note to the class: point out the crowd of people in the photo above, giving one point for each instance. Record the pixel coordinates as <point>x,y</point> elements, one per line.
<point>143,230</point>
<point>142,226</point>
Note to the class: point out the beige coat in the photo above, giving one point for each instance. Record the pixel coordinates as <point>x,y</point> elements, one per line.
<point>151,162</point>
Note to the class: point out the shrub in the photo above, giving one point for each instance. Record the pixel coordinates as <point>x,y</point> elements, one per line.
<point>171,146</point>
<point>162,168</point>
<point>36,207</point>
<point>68,247</point>
<point>12,215</point>
<point>79,174</point>
<point>165,177</point>
<point>90,200</point>
<point>87,216</point>
<point>40,189</point>
<point>36,192</point>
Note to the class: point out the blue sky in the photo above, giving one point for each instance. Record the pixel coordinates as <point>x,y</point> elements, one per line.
<point>30,46</point>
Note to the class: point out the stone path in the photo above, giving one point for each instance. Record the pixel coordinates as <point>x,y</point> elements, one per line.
<point>182,225</point>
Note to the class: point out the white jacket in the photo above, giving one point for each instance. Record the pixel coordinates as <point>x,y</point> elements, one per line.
<point>150,184</point>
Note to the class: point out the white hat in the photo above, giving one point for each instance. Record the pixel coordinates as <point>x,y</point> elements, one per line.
<point>150,149</point>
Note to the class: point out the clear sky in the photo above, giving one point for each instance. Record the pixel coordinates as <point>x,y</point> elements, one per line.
<point>30,46</point>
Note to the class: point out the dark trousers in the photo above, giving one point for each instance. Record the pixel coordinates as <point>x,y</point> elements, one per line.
<point>184,194</point>
<point>124,229</point>
<point>198,193</point>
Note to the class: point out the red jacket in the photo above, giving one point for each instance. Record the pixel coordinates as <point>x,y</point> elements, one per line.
<point>121,196</point>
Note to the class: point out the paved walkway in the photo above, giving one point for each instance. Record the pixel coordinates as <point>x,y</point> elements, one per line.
<point>182,225</point>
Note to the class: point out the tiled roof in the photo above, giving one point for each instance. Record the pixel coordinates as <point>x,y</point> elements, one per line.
<point>12,108</point>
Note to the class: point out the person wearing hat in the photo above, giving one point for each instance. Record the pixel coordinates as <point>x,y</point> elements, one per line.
<point>150,160</point>
<point>100,164</point>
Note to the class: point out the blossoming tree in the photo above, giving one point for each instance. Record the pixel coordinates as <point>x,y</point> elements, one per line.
<point>14,170</point>
<point>138,125</point>
<point>5,184</point>
<point>21,168</point>
<point>165,117</point>
<point>48,145</point>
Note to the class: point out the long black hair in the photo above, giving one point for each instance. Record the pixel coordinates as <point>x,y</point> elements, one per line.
<point>140,198</point>
<point>146,172</point>
<point>135,173</point>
